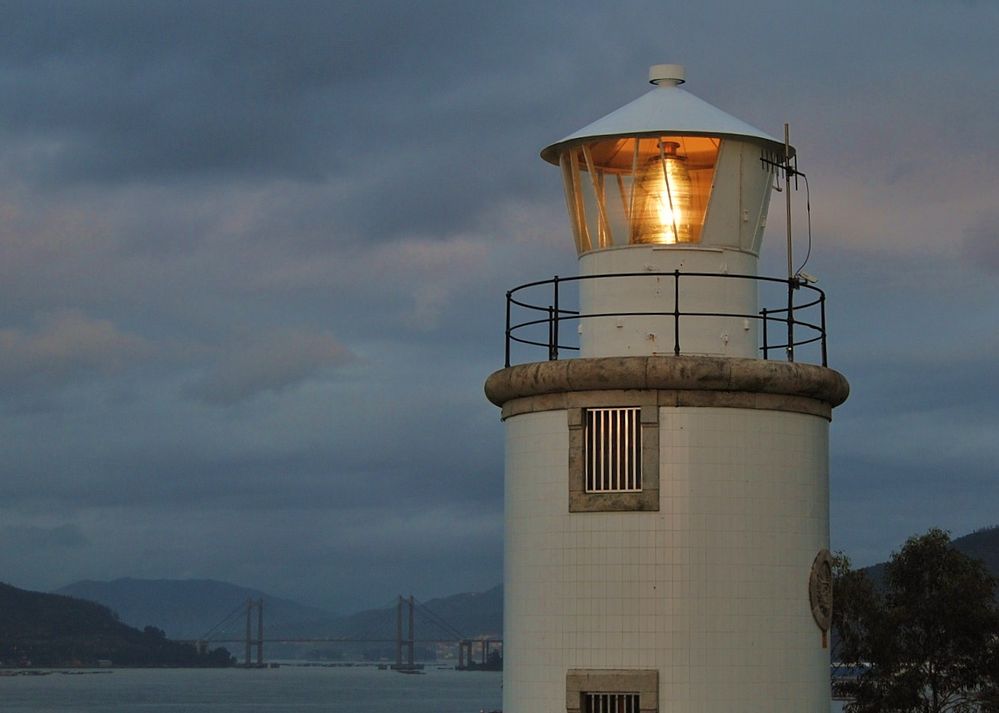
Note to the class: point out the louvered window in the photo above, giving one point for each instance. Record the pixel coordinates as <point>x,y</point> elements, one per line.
<point>610,703</point>
<point>613,451</point>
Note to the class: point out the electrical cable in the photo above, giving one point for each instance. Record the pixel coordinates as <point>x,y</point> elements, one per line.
<point>808,213</point>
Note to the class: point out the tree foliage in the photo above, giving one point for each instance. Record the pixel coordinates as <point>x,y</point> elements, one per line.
<point>928,642</point>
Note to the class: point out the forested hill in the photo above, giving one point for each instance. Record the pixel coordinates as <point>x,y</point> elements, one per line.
<point>981,545</point>
<point>38,629</point>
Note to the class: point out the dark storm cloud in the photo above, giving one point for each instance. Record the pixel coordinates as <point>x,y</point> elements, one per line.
<point>122,91</point>
<point>271,362</point>
<point>393,103</point>
<point>334,446</point>
<point>164,90</point>
<point>60,537</point>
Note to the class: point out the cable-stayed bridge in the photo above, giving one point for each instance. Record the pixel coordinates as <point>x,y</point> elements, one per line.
<point>244,624</point>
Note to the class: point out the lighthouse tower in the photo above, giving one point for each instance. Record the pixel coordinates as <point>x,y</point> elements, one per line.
<point>667,496</point>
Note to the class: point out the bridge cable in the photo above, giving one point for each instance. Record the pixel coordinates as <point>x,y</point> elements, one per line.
<point>225,620</point>
<point>439,620</point>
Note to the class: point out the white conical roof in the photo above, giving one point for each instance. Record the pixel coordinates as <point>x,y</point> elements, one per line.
<point>667,109</point>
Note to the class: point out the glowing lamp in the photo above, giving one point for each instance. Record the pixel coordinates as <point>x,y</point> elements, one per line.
<point>664,192</point>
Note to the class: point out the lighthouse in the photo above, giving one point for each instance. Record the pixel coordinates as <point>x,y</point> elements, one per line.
<point>666,417</point>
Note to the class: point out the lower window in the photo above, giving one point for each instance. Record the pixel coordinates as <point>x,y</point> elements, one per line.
<point>611,691</point>
<point>610,703</point>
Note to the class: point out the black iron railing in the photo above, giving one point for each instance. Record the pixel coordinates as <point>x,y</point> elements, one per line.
<point>800,320</point>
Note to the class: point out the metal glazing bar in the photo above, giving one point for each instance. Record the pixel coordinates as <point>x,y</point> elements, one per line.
<point>632,228</point>
<point>570,200</point>
<point>605,236</point>
<point>625,208</point>
<point>584,230</point>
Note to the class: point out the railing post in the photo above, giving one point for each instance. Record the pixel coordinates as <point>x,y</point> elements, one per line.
<point>790,319</point>
<point>676,312</point>
<point>506,348</point>
<point>554,347</point>
<point>766,345</point>
<point>822,307</point>
<point>551,336</point>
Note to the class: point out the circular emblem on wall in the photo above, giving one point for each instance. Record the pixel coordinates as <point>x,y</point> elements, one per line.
<point>820,589</point>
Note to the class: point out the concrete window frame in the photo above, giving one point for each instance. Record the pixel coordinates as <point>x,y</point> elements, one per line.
<point>644,682</point>
<point>646,500</point>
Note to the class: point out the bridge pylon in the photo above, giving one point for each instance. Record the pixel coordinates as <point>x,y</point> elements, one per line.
<point>410,666</point>
<point>251,606</point>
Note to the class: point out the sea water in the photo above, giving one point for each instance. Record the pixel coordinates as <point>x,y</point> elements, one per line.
<point>288,688</point>
<point>360,689</point>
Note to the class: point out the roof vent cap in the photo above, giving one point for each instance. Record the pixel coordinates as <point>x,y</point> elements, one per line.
<point>666,75</point>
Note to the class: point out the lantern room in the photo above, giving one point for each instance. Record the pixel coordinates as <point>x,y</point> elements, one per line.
<point>667,169</point>
<point>668,184</point>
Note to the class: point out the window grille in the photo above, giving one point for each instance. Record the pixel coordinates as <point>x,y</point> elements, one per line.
<point>613,453</point>
<point>610,703</point>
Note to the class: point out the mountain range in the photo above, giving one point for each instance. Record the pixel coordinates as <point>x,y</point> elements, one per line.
<point>187,609</point>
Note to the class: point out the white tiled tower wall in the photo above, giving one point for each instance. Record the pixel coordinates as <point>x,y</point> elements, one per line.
<point>648,335</point>
<point>711,590</point>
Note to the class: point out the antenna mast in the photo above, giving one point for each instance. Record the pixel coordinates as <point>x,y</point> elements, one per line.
<point>787,196</point>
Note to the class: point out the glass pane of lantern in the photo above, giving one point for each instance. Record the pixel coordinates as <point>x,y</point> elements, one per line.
<point>638,190</point>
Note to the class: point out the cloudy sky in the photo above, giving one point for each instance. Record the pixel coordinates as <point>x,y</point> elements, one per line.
<point>253,257</point>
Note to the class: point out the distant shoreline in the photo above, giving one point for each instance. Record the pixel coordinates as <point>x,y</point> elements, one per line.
<point>12,672</point>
